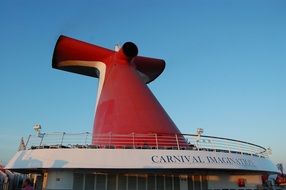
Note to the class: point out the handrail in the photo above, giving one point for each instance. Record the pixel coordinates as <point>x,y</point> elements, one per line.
<point>223,138</point>
<point>145,141</point>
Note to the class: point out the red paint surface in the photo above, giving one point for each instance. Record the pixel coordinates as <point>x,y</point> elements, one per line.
<point>126,105</point>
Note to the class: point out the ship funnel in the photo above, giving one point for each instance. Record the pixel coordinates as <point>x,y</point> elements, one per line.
<point>125,105</point>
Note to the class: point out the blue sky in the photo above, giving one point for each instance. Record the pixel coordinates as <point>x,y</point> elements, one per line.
<point>226,65</point>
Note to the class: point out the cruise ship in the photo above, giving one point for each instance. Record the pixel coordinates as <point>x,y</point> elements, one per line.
<point>134,144</point>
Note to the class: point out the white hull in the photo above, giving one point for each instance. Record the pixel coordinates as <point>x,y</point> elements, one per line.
<point>137,159</point>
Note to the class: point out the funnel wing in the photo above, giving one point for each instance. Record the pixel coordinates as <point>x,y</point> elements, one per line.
<point>148,68</point>
<point>78,57</point>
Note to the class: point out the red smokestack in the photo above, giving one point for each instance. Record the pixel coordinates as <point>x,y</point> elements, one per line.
<point>125,105</point>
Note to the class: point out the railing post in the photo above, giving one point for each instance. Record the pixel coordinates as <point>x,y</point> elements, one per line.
<point>177,141</point>
<point>110,138</point>
<point>133,139</point>
<point>156,139</point>
<point>86,138</point>
<point>229,149</point>
<point>62,140</point>
<point>42,138</point>
<point>213,146</point>
<point>28,141</point>
<point>197,143</point>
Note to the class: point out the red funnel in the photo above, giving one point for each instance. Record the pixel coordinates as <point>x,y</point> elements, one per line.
<point>125,105</point>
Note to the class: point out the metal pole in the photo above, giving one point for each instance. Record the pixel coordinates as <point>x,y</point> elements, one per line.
<point>178,145</point>
<point>110,134</point>
<point>86,138</point>
<point>133,140</point>
<point>42,135</point>
<point>28,141</point>
<point>62,138</point>
<point>156,138</point>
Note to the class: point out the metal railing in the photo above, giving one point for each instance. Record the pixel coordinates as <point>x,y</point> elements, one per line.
<point>144,141</point>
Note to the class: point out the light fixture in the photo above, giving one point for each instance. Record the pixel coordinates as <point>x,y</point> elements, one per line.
<point>37,128</point>
<point>200,131</point>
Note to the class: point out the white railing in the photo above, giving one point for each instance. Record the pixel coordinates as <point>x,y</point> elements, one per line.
<point>144,141</point>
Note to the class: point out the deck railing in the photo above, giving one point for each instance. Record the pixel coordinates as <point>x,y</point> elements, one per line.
<point>144,141</point>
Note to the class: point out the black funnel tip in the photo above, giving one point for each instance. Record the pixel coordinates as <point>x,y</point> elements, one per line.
<point>130,49</point>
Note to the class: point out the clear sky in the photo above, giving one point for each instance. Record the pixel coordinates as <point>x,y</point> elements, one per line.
<point>226,65</point>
